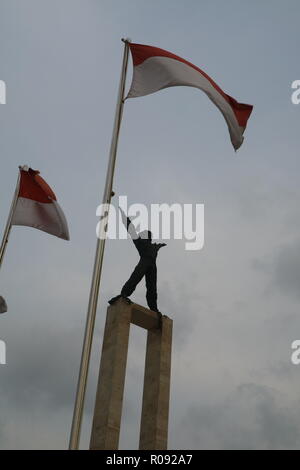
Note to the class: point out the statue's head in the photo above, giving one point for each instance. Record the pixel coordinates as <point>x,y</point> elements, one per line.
<point>146,235</point>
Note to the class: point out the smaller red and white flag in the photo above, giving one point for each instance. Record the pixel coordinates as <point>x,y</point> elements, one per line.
<point>155,69</point>
<point>37,206</point>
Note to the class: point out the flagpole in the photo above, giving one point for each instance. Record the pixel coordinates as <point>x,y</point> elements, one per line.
<point>94,291</point>
<point>9,220</point>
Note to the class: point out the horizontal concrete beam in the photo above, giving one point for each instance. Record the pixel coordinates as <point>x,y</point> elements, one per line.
<point>144,317</point>
<point>140,316</point>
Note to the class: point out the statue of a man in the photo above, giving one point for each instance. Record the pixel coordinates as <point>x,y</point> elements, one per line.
<point>145,267</point>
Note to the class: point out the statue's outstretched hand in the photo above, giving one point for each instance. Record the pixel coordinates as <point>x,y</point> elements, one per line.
<point>160,245</point>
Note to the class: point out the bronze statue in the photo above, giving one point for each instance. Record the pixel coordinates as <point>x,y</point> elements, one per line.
<point>145,267</point>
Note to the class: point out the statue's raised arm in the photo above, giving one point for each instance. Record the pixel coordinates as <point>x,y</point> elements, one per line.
<point>129,225</point>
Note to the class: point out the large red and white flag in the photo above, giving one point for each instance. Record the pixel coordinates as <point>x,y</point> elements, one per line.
<point>155,69</point>
<point>37,206</point>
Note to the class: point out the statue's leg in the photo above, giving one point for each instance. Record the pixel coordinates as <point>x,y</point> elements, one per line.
<point>137,275</point>
<point>151,286</point>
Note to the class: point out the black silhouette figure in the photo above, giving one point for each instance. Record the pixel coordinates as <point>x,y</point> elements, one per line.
<point>145,267</point>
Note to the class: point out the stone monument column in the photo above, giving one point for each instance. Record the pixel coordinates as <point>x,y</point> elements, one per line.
<point>109,398</point>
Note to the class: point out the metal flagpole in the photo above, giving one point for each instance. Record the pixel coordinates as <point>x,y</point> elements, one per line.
<point>8,223</point>
<point>94,291</point>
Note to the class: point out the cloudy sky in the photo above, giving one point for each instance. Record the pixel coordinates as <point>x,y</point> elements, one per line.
<point>235,304</point>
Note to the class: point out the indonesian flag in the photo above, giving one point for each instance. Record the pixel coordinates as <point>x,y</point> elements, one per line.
<point>155,69</point>
<point>37,206</point>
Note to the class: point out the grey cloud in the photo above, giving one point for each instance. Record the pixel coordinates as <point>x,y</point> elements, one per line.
<point>281,269</point>
<point>287,269</point>
<point>253,417</point>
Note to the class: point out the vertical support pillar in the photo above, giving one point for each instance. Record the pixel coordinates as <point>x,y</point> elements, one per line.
<point>109,398</point>
<point>156,395</point>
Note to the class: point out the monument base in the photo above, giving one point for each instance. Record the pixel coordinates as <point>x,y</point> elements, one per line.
<point>109,398</point>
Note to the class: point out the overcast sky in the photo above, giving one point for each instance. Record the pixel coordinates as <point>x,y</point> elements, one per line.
<point>235,304</point>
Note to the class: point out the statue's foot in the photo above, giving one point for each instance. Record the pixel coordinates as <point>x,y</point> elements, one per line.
<point>114,299</point>
<point>159,315</point>
<point>117,297</point>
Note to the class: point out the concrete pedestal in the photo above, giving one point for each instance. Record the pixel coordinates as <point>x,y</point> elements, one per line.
<point>110,390</point>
